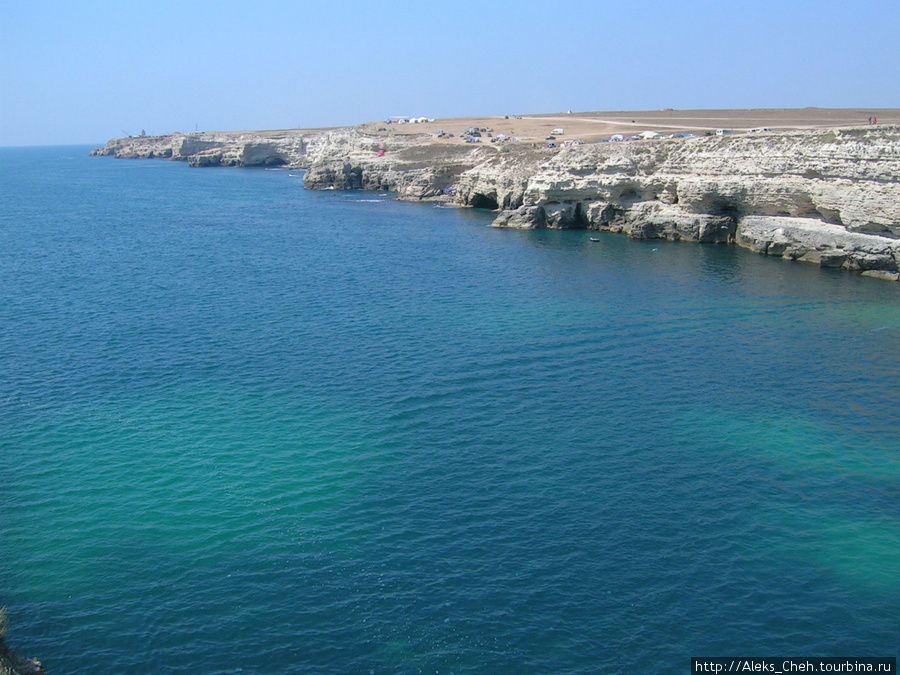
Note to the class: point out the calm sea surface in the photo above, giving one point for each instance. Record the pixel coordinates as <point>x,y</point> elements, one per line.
<point>249,428</point>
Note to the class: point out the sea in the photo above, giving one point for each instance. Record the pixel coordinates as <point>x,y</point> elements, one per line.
<point>250,428</point>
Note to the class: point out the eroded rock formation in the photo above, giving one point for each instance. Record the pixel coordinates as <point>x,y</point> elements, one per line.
<point>411,165</point>
<point>214,149</point>
<point>831,197</point>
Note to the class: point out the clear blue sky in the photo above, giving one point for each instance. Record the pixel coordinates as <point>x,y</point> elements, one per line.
<point>83,71</point>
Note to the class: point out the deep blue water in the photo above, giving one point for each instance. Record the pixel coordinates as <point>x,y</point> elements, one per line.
<point>249,428</point>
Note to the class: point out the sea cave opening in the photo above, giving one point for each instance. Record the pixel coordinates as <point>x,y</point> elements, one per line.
<point>480,201</point>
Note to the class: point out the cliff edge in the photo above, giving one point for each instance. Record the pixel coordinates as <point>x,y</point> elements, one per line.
<point>829,196</point>
<point>244,149</point>
<point>10,662</point>
<point>826,196</point>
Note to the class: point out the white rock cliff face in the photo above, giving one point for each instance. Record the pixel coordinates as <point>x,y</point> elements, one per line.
<point>213,149</point>
<point>411,165</point>
<point>848,178</point>
<point>830,197</point>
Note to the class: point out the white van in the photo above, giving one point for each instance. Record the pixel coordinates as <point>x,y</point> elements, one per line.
<point>558,132</point>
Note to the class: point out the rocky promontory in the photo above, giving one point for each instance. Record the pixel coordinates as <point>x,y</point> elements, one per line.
<point>829,196</point>
<point>245,149</point>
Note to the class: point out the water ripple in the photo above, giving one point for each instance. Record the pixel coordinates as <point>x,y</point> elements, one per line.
<point>249,428</point>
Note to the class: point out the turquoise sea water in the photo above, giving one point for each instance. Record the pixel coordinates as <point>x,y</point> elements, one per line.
<point>249,428</point>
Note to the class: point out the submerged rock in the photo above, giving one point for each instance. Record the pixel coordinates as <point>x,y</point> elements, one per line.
<point>882,274</point>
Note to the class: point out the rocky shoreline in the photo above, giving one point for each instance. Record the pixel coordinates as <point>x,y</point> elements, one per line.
<point>10,661</point>
<point>273,148</point>
<point>824,196</point>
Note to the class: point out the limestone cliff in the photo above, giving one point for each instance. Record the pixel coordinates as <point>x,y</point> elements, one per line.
<point>846,177</point>
<point>283,148</point>
<point>410,164</point>
<point>830,197</point>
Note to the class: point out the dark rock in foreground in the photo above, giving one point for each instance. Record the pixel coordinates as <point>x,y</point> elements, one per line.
<point>10,662</point>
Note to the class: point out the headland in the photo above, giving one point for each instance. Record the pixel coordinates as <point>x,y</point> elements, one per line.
<point>813,185</point>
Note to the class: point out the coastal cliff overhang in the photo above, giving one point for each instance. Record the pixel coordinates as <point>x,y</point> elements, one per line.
<point>481,201</point>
